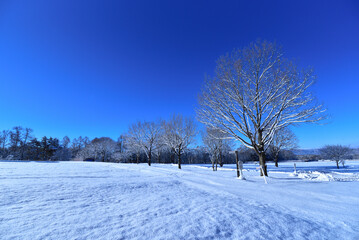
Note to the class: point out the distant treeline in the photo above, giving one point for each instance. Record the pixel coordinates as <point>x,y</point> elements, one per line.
<point>20,144</point>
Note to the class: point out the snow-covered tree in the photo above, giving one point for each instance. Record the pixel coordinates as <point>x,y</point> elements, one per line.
<point>144,136</point>
<point>132,147</point>
<point>283,139</point>
<point>216,143</point>
<point>26,137</point>
<point>160,150</point>
<point>78,144</point>
<point>65,143</point>
<point>256,92</point>
<point>121,143</point>
<point>99,149</point>
<point>15,141</point>
<point>179,133</point>
<point>47,148</point>
<point>63,153</point>
<point>335,153</point>
<point>4,141</point>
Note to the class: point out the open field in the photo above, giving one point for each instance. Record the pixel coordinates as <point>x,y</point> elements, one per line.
<point>84,200</point>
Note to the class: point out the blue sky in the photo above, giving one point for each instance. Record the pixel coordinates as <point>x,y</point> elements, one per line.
<point>91,68</point>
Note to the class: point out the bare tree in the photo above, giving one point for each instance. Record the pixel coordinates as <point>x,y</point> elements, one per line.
<point>63,153</point>
<point>103,148</point>
<point>78,144</point>
<point>15,140</point>
<point>132,147</point>
<point>211,145</point>
<point>4,140</point>
<point>85,141</point>
<point>145,136</point>
<point>100,149</point>
<point>256,92</point>
<point>65,142</point>
<point>216,142</point>
<point>283,139</point>
<point>335,153</point>
<point>26,136</point>
<point>179,133</point>
<point>121,143</point>
<point>160,150</point>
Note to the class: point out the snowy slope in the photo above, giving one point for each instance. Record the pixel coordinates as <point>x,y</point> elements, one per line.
<point>85,200</point>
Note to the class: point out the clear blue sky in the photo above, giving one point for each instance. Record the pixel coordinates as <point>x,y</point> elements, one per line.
<point>90,68</point>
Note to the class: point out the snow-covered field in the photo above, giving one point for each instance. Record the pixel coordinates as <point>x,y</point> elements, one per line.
<point>85,200</point>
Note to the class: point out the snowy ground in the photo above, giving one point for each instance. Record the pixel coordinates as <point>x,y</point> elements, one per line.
<point>85,200</point>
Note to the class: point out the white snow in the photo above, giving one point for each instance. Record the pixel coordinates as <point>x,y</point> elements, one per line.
<point>86,200</point>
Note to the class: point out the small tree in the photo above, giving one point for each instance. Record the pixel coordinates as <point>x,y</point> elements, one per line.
<point>216,142</point>
<point>335,153</point>
<point>256,92</point>
<point>283,139</point>
<point>211,146</point>
<point>179,133</point>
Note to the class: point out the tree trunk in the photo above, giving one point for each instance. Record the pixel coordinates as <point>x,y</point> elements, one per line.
<point>22,153</point>
<point>261,153</point>
<point>262,162</point>
<point>337,164</point>
<point>216,163</point>
<point>179,160</point>
<point>212,164</point>
<point>149,159</point>
<point>237,164</point>
<point>137,157</point>
<point>276,160</point>
<point>220,160</point>
<point>172,158</point>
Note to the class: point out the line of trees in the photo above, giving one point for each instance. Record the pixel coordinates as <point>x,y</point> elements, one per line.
<point>172,141</point>
<point>20,144</point>
<point>173,137</point>
<point>169,141</point>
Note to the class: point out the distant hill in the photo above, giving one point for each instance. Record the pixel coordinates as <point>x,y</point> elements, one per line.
<point>313,151</point>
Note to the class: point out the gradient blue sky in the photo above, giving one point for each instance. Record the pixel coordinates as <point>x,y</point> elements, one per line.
<point>90,68</point>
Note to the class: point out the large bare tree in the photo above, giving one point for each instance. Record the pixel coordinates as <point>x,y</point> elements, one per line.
<point>179,133</point>
<point>256,92</point>
<point>283,139</point>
